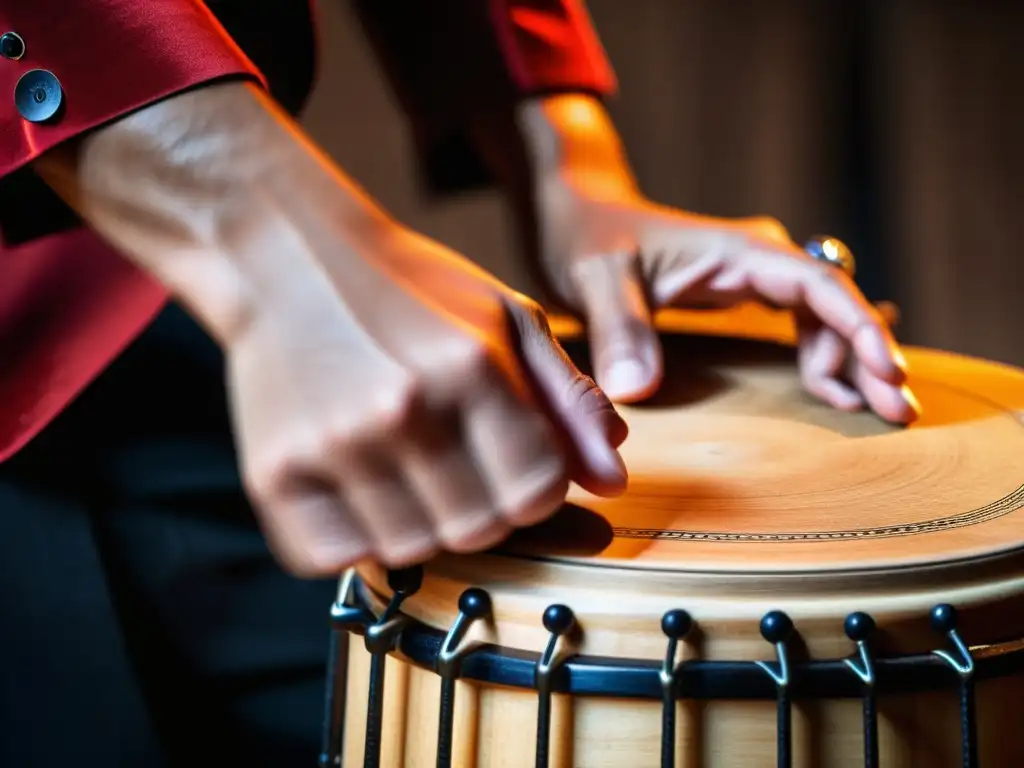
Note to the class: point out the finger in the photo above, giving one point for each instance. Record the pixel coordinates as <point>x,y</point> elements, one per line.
<point>311,533</point>
<point>889,312</point>
<point>793,281</point>
<point>892,402</point>
<point>376,491</point>
<point>517,450</point>
<point>821,356</point>
<point>444,474</point>
<point>625,347</point>
<point>825,362</point>
<point>591,425</point>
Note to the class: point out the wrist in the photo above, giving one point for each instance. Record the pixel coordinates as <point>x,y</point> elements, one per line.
<point>572,144</point>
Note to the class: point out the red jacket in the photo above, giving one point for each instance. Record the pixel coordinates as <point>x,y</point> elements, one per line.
<point>68,303</point>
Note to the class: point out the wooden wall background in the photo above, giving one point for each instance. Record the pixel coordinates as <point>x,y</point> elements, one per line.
<point>897,126</point>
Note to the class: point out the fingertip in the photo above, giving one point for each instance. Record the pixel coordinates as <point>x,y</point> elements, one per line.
<point>322,559</point>
<point>628,380</point>
<point>880,353</point>
<point>607,486</point>
<point>837,394</point>
<point>602,471</point>
<point>895,404</point>
<point>900,361</point>
<point>474,533</point>
<point>906,408</point>
<point>408,551</point>
<point>615,427</point>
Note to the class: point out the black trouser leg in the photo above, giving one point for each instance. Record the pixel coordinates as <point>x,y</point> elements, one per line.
<point>146,616</point>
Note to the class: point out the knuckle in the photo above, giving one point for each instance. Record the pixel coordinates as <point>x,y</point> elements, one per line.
<point>311,563</point>
<point>469,360</point>
<point>529,314</point>
<point>537,494</point>
<point>471,533</point>
<point>825,274</point>
<point>323,549</point>
<point>272,472</point>
<point>535,313</point>
<point>811,379</point>
<point>583,390</point>
<point>400,553</point>
<point>395,407</point>
<point>769,228</point>
<point>384,416</point>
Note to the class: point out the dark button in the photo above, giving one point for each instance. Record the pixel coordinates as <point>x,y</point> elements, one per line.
<point>11,45</point>
<point>38,96</point>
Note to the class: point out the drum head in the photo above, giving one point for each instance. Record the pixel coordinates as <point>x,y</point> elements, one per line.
<point>733,468</point>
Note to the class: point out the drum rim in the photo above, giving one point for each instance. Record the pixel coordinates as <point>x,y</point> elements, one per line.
<point>987,568</point>
<point>696,679</point>
<point>907,567</point>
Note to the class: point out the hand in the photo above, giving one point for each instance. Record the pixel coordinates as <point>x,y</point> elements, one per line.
<point>389,398</point>
<point>614,257</point>
<point>413,404</point>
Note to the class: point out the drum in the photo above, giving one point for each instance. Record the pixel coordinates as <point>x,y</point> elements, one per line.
<point>782,584</point>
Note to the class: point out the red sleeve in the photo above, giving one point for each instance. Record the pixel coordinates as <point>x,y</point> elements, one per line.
<point>109,57</point>
<point>456,64</point>
<point>551,45</point>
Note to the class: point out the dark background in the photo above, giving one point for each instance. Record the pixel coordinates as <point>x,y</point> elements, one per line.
<point>897,126</point>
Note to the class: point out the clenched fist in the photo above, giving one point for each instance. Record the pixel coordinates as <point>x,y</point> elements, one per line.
<point>412,404</point>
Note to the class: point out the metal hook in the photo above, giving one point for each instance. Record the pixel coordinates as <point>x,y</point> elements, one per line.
<point>859,627</point>
<point>944,621</point>
<point>559,621</point>
<point>474,604</point>
<point>776,627</point>
<point>676,625</point>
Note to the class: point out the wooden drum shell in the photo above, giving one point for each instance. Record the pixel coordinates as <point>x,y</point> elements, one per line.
<point>495,727</point>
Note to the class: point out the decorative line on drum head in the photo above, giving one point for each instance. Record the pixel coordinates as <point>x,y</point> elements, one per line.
<point>474,604</point>
<point>996,509</point>
<point>776,628</point>
<point>944,621</point>
<point>380,640</point>
<point>860,627</point>
<point>559,621</point>
<point>677,625</point>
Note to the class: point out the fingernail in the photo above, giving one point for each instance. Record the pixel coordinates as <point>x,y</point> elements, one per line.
<point>911,399</point>
<point>900,359</point>
<point>624,378</point>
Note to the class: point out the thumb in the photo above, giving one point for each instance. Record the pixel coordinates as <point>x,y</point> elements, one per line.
<point>587,418</point>
<point>625,348</point>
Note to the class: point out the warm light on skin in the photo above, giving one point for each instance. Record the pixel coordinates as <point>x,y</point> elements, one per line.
<point>573,144</point>
<point>572,137</point>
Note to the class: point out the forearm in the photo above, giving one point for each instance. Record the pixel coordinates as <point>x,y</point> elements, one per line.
<point>203,192</point>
